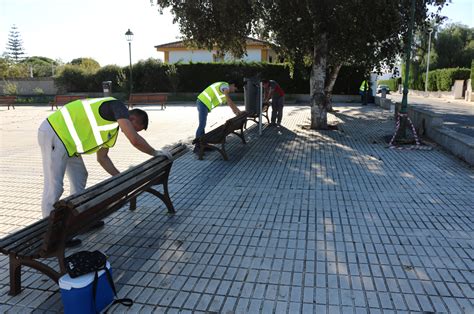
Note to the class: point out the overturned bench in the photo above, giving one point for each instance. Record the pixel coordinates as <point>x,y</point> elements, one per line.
<point>75,214</point>
<point>219,135</point>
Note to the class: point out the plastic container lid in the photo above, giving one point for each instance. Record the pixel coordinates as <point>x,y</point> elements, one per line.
<point>67,283</point>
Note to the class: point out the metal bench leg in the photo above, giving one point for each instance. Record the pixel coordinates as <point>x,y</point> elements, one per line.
<point>15,276</point>
<point>166,196</point>
<point>223,152</point>
<point>201,151</point>
<point>133,203</point>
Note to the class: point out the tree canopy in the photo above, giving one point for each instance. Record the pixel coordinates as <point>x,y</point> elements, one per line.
<point>87,64</point>
<point>326,33</point>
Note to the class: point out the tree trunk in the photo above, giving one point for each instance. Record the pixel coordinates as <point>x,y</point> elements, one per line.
<point>330,81</point>
<point>317,83</point>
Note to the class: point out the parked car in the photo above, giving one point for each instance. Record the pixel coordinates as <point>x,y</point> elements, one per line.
<point>380,87</point>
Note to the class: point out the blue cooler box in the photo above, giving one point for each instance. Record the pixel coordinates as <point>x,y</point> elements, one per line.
<point>77,294</point>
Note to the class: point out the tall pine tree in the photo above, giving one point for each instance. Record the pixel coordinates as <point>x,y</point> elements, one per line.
<point>15,50</point>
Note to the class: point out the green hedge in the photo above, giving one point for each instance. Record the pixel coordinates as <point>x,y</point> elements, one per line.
<point>154,76</point>
<point>443,79</point>
<point>472,74</point>
<point>391,83</point>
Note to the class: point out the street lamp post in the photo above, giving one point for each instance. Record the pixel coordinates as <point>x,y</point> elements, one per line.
<point>129,37</point>
<point>430,30</point>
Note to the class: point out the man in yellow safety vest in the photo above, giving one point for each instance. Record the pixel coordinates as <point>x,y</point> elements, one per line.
<point>363,90</point>
<point>214,95</point>
<point>84,127</point>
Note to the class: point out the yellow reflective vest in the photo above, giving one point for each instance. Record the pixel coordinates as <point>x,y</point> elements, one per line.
<point>81,128</point>
<point>364,86</point>
<point>212,95</point>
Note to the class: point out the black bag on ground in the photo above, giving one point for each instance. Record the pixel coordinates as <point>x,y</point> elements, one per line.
<point>85,262</point>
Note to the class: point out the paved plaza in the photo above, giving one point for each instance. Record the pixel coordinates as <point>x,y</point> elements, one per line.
<point>297,221</point>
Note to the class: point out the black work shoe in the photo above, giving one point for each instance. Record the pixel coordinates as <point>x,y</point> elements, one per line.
<point>73,242</point>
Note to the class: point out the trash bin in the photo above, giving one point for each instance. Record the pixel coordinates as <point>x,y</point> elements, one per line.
<point>251,95</point>
<point>107,88</point>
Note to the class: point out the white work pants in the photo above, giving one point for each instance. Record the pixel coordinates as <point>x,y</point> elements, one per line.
<point>56,163</point>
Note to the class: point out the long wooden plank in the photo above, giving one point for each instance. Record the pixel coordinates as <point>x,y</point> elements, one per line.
<point>121,190</point>
<point>110,183</point>
<point>20,234</point>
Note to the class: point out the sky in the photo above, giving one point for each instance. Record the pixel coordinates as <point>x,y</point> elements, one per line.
<point>66,29</point>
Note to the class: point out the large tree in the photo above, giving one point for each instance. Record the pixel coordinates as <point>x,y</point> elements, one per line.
<point>15,50</point>
<point>454,46</point>
<point>327,33</point>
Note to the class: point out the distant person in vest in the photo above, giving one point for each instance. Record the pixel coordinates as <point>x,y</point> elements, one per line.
<point>84,127</point>
<point>214,95</point>
<point>273,91</point>
<point>363,90</point>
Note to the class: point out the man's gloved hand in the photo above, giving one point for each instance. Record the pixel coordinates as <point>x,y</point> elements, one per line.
<point>164,152</point>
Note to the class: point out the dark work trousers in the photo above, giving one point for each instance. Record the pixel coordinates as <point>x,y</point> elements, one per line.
<point>277,109</point>
<point>203,111</point>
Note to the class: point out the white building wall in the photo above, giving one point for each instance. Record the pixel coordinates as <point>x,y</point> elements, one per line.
<point>207,56</point>
<point>253,55</point>
<point>188,56</point>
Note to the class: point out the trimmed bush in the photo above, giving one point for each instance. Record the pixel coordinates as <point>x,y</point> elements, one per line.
<point>74,79</point>
<point>150,76</point>
<point>472,74</point>
<point>443,79</point>
<point>112,73</point>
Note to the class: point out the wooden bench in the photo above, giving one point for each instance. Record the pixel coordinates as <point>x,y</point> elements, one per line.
<point>75,214</point>
<point>61,100</point>
<point>218,135</point>
<point>8,101</point>
<point>148,99</point>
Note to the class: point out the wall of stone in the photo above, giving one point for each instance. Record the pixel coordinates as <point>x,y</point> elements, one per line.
<point>27,86</point>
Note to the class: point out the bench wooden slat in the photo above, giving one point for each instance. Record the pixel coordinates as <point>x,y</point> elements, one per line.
<point>9,242</point>
<point>118,191</point>
<point>108,184</point>
<point>74,200</point>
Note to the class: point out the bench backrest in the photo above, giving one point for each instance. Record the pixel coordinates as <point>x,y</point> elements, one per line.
<point>7,99</point>
<point>148,98</point>
<point>218,134</point>
<point>64,99</point>
<point>235,123</point>
<point>79,211</point>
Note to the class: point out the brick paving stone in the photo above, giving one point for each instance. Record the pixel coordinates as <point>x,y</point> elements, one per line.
<point>296,221</point>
